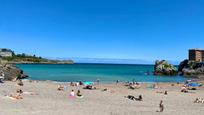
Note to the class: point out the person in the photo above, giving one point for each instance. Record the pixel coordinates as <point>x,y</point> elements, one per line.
<point>133,98</point>
<point>164,92</point>
<point>79,93</point>
<point>19,91</point>
<point>17,96</point>
<point>139,98</point>
<point>1,76</point>
<point>105,89</point>
<point>161,106</point>
<point>19,82</point>
<point>117,82</point>
<point>60,88</point>
<point>184,89</point>
<point>98,81</point>
<point>80,83</point>
<point>72,94</point>
<point>155,86</point>
<point>71,84</point>
<point>90,87</point>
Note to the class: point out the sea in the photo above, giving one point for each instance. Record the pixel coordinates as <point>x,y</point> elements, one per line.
<point>106,73</point>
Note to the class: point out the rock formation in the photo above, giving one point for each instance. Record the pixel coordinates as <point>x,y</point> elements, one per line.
<point>191,69</point>
<point>11,73</point>
<point>164,68</point>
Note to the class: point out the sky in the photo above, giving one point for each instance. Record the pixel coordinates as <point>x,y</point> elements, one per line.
<point>106,29</point>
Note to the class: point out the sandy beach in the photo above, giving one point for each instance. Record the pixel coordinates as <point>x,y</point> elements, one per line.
<point>50,101</point>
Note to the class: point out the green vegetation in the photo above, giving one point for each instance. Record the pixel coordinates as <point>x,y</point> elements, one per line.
<point>23,58</point>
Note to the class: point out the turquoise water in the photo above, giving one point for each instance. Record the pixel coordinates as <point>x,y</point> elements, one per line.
<point>92,72</point>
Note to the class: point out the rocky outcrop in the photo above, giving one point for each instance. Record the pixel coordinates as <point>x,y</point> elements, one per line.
<point>193,69</point>
<point>164,68</point>
<point>11,72</point>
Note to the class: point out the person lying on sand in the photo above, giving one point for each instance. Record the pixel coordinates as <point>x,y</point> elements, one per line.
<point>105,89</point>
<point>133,98</point>
<point>60,88</point>
<point>184,89</point>
<point>19,82</point>
<point>19,91</point>
<point>163,92</point>
<point>135,86</point>
<point>199,100</point>
<point>90,87</point>
<point>161,106</point>
<point>14,97</point>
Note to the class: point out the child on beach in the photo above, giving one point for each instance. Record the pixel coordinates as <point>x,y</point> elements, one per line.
<point>72,94</point>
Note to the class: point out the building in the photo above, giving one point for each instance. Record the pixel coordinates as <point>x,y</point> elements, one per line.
<point>196,55</point>
<point>5,52</point>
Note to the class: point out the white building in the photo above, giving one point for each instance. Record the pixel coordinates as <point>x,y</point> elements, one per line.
<point>5,53</point>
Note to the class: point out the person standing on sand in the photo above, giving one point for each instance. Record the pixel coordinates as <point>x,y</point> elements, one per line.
<point>98,81</point>
<point>117,82</point>
<point>161,106</point>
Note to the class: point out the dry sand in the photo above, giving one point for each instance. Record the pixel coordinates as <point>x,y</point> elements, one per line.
<point>49,101</point>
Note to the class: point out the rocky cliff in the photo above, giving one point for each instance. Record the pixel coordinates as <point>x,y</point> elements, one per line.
<point>11,72</point>
<point>164,68</point>
<point>191,69</point>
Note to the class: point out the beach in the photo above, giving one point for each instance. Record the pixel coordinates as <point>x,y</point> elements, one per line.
<point>47,100</point>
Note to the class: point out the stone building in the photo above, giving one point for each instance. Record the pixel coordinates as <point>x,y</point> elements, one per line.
<point>5,52</point>
<point>196,55</point>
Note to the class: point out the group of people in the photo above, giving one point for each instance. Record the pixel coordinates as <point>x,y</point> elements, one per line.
<point>133,98</point>
<point>78,94</point>
<point>134,85</point>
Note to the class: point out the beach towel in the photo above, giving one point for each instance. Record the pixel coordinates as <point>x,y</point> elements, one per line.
<point>88,83</point>
<point>194,85</point>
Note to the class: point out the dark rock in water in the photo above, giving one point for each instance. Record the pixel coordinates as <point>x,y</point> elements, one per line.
<point>11,72</point>
<point>164,68</point>
<point>189,68</point>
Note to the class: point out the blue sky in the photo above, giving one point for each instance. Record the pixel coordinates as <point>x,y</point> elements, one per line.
<point>117,29</point>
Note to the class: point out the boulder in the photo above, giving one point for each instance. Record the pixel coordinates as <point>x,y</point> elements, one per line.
<point>164,68</point>
<point>193,69</point>
<point>11,72</point>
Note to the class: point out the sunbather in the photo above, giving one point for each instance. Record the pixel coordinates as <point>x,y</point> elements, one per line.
<point>133,98</point>
<point>184,89</point>
<point>90,87</point>
<point>15,97</point>
<point>199,100</point>
<point>60,88</point>
<point>19,91</point>
<point>163,92</point>
<point>19,82</point>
